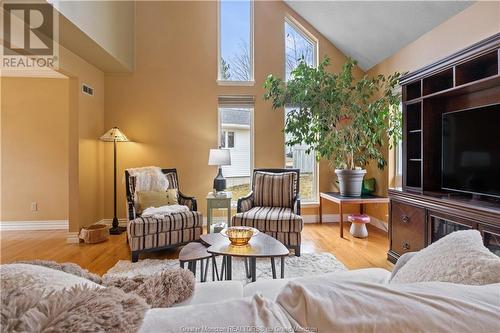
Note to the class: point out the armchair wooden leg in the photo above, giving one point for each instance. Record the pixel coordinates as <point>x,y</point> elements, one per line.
<point>135,256</point>
<point>297,251</point>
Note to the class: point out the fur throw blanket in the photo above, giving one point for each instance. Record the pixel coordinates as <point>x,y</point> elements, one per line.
<point>79,309</point>
<point>28,306</point>
<point>159,290</point>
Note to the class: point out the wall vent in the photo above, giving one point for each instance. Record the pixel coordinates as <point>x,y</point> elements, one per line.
<point>88,90</point>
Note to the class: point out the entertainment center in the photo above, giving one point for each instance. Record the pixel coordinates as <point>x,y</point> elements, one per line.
<point>451,177</point>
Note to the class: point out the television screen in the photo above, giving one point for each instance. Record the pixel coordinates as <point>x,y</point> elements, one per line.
<point>471,150</point>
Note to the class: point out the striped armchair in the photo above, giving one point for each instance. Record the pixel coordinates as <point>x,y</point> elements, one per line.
<point>273,206</point>
<point>147,234</point>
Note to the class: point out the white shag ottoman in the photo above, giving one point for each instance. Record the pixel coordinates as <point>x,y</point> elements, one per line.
<point>358,225</point>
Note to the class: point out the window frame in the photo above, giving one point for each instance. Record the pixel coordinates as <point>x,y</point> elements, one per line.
<point>220,81</point>
<point>304,33</point>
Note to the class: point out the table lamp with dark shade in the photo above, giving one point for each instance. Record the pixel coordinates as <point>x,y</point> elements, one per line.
<point>114,135</point>
<point>219,157</point>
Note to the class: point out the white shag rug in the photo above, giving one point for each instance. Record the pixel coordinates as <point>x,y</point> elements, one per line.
<point>308,264</point>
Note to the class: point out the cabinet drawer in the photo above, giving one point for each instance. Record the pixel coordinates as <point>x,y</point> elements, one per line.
<point>219,203</point>
<point>407,227</point>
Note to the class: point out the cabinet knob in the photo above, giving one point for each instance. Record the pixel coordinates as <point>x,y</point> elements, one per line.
<point>405,219</point>
<point>406,246</point>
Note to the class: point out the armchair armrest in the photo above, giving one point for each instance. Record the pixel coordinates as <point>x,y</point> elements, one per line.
<point>131,214</point>
<point>245,203</point>
<point>188,201</point>
<point>296,205</point>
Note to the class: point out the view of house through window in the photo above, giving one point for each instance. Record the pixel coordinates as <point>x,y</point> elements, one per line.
<point>296,157</point>
<point>235,128</point>
<point>235,41</point>
<point>299,46</point>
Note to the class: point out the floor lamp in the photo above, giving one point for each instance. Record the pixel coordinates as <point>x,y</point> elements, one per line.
<point>114,135</point>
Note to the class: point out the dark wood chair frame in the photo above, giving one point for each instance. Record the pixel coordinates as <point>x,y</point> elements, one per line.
<point>132,214</point>
<point>296,199</point>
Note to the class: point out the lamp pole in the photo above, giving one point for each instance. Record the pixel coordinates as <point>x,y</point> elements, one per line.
<point>115,230</point>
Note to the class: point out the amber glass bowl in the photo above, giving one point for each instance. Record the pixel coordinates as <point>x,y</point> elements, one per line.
<point>239,236</point>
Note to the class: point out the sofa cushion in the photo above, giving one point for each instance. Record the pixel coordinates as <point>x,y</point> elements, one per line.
<point>213,292</point>
<point>142,226</point>
<point>273,219</point>
<point>459,257</point>
<point>352,306</point>
<point>271,288</point>
<point>274,189</point>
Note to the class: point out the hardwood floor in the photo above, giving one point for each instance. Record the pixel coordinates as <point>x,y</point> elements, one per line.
<point>98,258</point>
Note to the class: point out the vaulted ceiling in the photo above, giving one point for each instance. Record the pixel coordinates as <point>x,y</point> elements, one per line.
<point>370,31</point>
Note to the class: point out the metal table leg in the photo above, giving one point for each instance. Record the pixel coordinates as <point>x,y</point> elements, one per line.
<point>253,268</point>
<point>228,268</point>
<point>273,267</point>
<point>282,267</point>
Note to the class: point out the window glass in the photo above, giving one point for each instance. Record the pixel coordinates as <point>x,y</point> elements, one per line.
<point>298,46</point>
<point>235,42</point>
<point>236,124</point>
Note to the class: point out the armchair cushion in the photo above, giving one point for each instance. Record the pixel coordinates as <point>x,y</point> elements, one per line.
<point>142,226</point>
<point>270,219</point>
<point>274,189</point>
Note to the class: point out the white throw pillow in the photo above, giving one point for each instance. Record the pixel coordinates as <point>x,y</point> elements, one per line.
<point>459,257</point>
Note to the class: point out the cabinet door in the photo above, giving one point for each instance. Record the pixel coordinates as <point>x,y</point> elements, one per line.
<point>491,238</point>
<point>407,227</point>
<point>441,225</point>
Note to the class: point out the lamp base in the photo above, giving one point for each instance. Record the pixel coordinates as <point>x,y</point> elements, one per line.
<point>219,182</point>
<point>117,230</point>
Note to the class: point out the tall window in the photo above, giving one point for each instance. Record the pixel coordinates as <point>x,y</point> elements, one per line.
<point>300,45</point>
<point>236,134</point>
<point>235,41</point>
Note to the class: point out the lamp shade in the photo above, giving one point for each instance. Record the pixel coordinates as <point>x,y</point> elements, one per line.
<point>219,157</point>
<point>114,134</point>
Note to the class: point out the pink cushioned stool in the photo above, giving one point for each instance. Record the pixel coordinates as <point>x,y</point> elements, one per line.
<point>358,225</point>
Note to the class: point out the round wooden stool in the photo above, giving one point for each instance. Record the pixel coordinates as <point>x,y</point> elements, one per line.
<point>358,225</point>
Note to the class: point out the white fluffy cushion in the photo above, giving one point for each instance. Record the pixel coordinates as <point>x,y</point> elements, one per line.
<point>39,277</point>
<point>459,257</point>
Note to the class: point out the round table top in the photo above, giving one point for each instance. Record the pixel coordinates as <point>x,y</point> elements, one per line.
<point>209,239</point>
<point>193,251</point>
<point>260,245</point>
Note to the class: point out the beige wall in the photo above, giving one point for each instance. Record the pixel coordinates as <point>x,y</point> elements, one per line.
<point>475,23</point>
<point>109,23</point>
<point>34,148</point>
<point>86,125</point>
<point>168,106</point>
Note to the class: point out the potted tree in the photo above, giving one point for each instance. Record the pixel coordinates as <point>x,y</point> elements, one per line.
<point>344,120</point>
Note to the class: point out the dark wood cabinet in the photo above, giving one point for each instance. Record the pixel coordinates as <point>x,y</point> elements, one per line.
<point>421,212</point>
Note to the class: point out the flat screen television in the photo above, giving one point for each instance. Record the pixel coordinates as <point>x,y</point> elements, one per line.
<point>471,150</point>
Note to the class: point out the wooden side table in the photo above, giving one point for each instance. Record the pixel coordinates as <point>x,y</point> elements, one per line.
<point>340,200</point>
<point>215,202</point>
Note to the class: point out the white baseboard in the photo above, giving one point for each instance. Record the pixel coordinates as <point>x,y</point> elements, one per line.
<point>72,238</point>
<point>34,225</point>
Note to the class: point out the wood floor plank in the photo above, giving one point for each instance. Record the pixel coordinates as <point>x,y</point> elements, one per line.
<point>99,258</point>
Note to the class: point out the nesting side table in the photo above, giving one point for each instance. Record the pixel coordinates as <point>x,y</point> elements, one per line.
<point>215,202</point>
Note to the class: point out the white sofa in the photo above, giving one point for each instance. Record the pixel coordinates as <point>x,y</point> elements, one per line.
<point>213,292</point>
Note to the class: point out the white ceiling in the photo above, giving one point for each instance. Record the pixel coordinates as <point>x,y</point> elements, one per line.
<point>370,31</point>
